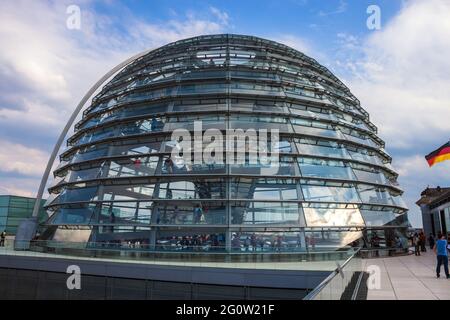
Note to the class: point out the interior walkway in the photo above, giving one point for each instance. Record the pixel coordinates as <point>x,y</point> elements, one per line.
<point>409,278</point>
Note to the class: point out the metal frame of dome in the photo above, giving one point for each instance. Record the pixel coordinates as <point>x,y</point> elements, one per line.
<point>335,184</point>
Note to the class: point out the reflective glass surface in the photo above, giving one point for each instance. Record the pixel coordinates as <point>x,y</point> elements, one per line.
<point>124,181</point>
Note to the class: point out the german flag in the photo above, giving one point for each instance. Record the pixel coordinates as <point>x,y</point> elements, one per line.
<point>439,155</point>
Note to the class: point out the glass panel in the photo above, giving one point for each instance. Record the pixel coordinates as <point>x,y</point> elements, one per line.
<point>332,217</point>
<point>331,150</point>
<point>268,241</point>
<point>81,175</point>
<point>93,152</point>
<point>375,195</point>
<point>4,200</point>
<point>203,88</point>
<point>329,193</point>
<point>325,240</point>
<point>79,194</point>
<point>376,218</point>
<point>286,166</point>
<point>331,169</point>
<point>365,157</point>
<point>181,213</point>
<point>177,165</point>
<point>142,166</point>
<point>136,149</point>
<point>126,213</point>
<point>137,192</point>
<point>190,241</point>
<point>75,215</point>
<point>193,189</point>
<point>71,235</point>
<point>264,189</point>
<point>266,213</point>
<point>368,174</point>
<point>398,200</point>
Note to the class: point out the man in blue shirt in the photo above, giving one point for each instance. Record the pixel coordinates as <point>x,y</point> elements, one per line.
<point>440,248</point>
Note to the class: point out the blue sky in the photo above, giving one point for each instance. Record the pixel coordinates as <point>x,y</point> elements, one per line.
<point>400,73</point>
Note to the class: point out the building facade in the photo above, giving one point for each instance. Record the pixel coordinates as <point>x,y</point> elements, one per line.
<point>14,209</point>
<point>125,181</point>
<point>435,206</point>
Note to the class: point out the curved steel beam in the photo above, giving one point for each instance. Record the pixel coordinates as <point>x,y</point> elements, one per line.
<point>70,123</point>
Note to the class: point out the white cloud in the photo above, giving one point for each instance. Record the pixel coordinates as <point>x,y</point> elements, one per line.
<point>403,80</point>
<point>401,76</point>
<point>20,187</point>
<point>415,176</point>
<point>46,68</point>
<point>16,158</point>
<point>221,16</point>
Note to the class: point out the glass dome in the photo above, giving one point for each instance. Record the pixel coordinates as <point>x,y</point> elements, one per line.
<point>123,183</point>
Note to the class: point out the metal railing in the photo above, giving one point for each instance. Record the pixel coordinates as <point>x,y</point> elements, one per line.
<point>340,281</point>
<point>206,252</point>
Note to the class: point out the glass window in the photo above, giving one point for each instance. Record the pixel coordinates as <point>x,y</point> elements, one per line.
<point>193,189</point>
<point>332,217</point>
<point>155,124</point>
<point>190,241</point>
<point>132,167</point>
<point>266,213</point>
<point>378,218</point>
<point>78,194</point>
<point>375,195</point>
<point>73,215</point>
<point>286,166</point>
<point>330,193</point>
<point>326,240</point>
<point>331,169</point>
<point>365,157</point>
<point>398,200</point>
<point>264,189</point>
<point>4,200</point>
<point>183,213</point>
<point>315,128</point>
<point>137,149</point>
<point>247,241</point>
<point>322,148</point>
<point>368,174</point>
<point>92,152</point>
<point>71,235</point>
<point>177,165</point>
<point>136,192</point>
<point>87,174</point>
<point>126,212</point>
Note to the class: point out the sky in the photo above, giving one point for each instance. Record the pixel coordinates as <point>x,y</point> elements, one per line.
<point>400,72</point>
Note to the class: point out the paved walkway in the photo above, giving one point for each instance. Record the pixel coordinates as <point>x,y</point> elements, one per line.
<point>409,278</point>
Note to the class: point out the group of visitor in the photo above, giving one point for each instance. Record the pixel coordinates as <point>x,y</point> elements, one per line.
<point>419,243</point>
<point>199,242</point>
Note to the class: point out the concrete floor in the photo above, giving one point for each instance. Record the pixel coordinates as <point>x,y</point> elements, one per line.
<point>407,278</point>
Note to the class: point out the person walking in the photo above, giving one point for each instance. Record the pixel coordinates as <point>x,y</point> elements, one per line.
<point>422,241</point>
<point>431,241</point>
<point>416,241</point>
<point>2,238</point>
<point>440,248</point>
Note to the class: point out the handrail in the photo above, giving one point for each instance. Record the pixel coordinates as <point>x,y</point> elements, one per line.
<point>324,283</point>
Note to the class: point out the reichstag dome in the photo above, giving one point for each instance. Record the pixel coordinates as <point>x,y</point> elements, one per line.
<point>120,185</point>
